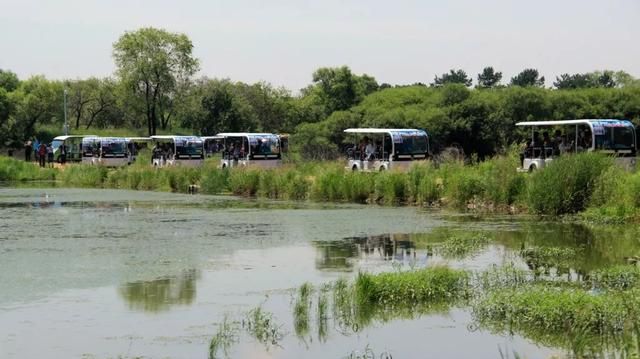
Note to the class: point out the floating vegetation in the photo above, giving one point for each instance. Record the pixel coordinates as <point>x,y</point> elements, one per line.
<point>224,339</point>
<point>436,284</point>
<point>462,245</point>
<point>617,278</point>
<point>262,326</point>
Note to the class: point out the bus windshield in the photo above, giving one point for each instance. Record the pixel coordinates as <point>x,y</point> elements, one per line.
<point>191,147</point>
<point>410,143</point>
<point>614,137</point>
<point>264,145</point>
<point>113,148</point>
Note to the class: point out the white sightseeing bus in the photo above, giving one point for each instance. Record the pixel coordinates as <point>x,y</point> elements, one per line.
<point>177,151</point>
<point>134,144</point>
<point>550,139</point>
<point>250,149</point>
<point>380,149</point>
<point>72,145</point>
<point>105,151</point>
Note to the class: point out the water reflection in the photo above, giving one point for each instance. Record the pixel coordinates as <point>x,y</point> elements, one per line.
<point>162,293</point>
<point>340,255</point>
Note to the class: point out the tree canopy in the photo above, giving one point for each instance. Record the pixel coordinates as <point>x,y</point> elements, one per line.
<point>153,63</point>
<point>528,78</point>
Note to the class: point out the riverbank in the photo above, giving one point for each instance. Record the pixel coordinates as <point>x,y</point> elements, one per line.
<point>589,186</point>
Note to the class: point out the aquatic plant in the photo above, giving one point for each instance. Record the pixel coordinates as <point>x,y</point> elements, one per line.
<point>301,310</point>
<point>390,187</point>
<point>566,185</point>
<point>621,277</point>
<point>263,327</point>
<point>462,245</point>
<point>83,176</point>
<point>226,336</point>
<point>427,285</point>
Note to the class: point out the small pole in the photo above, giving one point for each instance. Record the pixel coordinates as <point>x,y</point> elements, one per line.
<point>66,124</point>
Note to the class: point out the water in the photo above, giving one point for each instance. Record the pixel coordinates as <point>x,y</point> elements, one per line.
<point>105,273</point>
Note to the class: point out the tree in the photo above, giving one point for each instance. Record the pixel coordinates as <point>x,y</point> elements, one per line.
<point>152,63</point>
<point>38,100</point>
<point>339,89</point>
<point>587,80</point>
<point>453,77</point>
<point>528,78</point>
<point>489,78</point>
<point>8,80</point>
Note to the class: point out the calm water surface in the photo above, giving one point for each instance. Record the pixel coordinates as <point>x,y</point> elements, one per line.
<point>107,274</point>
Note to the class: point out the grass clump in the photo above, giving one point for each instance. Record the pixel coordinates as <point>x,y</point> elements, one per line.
<point>566,185</point>
<point>567,317</point>
<point>436,284</point>
<point>301,310</point>
<point>16,170</point>
<point>226,336</point>
<point>84,176</point>
<point>462,245</point>
<point>616,278</point>
<point>543,259</point>
<point>262,326</point>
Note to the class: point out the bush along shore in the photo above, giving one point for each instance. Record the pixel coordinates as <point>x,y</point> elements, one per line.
<point>588,185</point>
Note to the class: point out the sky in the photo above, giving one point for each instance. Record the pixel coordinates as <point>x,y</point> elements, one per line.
<point>284,41</point>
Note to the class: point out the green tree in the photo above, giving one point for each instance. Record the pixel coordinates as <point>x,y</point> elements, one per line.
<point>489,78</point>
<point>38,101</point>
<point>339,89</point>
<point>8,80</point>
<point>528,78</point>
<point>453,77</point>
<point>152,63</point>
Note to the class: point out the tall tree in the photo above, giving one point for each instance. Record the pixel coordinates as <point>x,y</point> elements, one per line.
<point>8,80</point>
<point>489,78</point>
<point>528,78</point>
<point>338,88</point>
<point>453,77</point>
<point>152,63</point>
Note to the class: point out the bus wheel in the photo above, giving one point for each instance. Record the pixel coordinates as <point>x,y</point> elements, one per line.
<point>532,168</point>
<point>382,168</point>
<point>224,166</point>
<point>354,168</point>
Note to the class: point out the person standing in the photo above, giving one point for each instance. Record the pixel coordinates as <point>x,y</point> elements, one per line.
<point>27,150</point>
<point>42,154</point>
<point>36,148</point>
<point>50,155</point>
<point>63,154</point>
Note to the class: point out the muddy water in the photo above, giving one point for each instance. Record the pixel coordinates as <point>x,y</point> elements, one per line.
<point>104,274</point>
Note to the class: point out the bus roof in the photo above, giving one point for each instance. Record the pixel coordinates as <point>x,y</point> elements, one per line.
<point>138,139</point>
<point>204,138</point>
<point>381,130</point>
<point>170,137</point>
<point>243,134</point>
<point>66,137</point>
<point>585,121</point>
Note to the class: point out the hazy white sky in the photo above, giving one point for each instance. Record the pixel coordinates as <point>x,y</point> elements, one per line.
<point>284,41</point>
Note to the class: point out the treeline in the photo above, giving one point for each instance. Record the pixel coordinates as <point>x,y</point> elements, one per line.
<point>154,90</point>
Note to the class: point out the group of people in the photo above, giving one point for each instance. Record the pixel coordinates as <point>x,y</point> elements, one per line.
<point>557,145</point>
<point>163,151</point>
<point>367,150</point>
<point>43,152</point>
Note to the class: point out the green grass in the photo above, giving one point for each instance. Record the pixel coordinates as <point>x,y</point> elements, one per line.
<point>15,170</point>
<point>438,284</point>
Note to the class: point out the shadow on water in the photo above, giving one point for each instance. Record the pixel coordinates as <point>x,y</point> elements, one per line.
<point>161,294</point>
